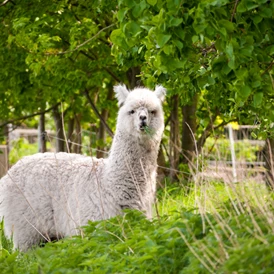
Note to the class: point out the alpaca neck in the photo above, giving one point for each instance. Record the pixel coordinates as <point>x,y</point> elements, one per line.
<point>134,149</point>
<point>130,171</point>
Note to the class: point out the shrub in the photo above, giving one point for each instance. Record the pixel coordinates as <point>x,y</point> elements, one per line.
<point>216,228</point>
<point>20,148</point>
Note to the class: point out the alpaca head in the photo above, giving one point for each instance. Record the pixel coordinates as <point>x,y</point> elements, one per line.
<point>140,111</point>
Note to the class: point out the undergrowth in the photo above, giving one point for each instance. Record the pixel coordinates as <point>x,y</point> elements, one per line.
<point>211,228</point>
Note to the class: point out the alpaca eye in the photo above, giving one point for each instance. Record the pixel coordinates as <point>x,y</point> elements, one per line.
<point>153,112</point>
<point>131,112</point>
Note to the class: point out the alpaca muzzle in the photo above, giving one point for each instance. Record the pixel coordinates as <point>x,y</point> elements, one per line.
<point>143,125</point>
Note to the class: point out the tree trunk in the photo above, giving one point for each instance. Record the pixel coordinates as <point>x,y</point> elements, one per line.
<point>42,134</point>
<point>269,162</point>
<point>60,137</point>
<point>102,136</point>
<point>97,113</point>
<point>7,138</point>
<point>133,77</point>
<point>162,171</point>
<point>70,133</point>
<point>77,148</point>
<point>174,145</point>
<point>100,153</point>
<point>189,129</point>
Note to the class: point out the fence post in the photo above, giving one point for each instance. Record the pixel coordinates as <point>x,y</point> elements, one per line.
<point>232,150</point>
<point>4,164</point>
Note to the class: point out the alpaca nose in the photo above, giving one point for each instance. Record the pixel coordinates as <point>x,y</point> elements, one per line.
<point>143,117</point>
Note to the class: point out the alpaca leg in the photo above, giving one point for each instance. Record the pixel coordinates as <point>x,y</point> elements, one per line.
<point>26,238</point>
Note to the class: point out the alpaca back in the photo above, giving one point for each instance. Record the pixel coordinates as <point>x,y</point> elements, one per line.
<point>54,194</point>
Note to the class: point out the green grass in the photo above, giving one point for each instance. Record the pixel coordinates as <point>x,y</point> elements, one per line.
<point>211,228</point>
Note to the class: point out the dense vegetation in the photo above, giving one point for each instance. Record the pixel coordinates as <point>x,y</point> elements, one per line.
<point>214,57</point>
<point>212,229</point>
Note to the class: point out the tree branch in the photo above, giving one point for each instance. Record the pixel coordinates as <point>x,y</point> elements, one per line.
<point>209,129</point>
<point>28,116</point>
<point>106,69</point>
<point>268,68</point>
<point>6,2</point>
<point>84,43</point>
<point>98,114</point>
<point>234,10</point>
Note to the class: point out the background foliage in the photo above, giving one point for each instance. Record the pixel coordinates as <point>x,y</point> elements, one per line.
<point>215,57</point>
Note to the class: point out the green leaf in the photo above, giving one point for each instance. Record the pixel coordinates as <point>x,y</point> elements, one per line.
<point>211,81</point>
<point>251,5</point>
<point>175,22</point>
<point>116,36</point>
<point>180,32</point>
<point>168,49</point>
<point>121,14</point>
<point>195,38</point>
<point>21,22</point>
<point>138,9</point>
<point>266,12</point>
<point>229,50</point>
<point>245,91</point>
<point>257,99</point>
<point>10,39</point>
<point>162,39</point>
<point>152,2</point>
<point>257,18</point>
<point>131,29</point>
<point>173,5</point>
<point>254,135</point>
<point>230,53</point>
<point>178,43</point>
<point>226,69</point>
<point>129,3</point>
<point>247,51</point>
<point>229,26</point>
<point>256,84</point>
<point>241,73</point>
<point>56,38</point>
<point>199,27</point>
<point>270,50</point>
<point>241,7</point>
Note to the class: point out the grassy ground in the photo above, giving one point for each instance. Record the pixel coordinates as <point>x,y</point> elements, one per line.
<point>210,228</point>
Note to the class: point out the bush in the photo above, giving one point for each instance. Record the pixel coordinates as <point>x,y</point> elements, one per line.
<point>20,148</point>
<point>213,229</point>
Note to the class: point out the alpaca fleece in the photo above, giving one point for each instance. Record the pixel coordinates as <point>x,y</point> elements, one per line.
<point>51,195</point>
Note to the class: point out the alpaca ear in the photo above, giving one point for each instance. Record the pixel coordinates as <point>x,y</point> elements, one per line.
<point>160,92</point>
<point>121,94</point>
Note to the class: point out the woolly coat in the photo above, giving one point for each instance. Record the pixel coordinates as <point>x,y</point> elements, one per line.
<point>51,195</point>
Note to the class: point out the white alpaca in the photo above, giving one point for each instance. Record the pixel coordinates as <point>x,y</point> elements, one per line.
<point>50,196</point>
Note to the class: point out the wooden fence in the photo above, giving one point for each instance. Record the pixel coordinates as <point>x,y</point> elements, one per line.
<point>3,160</point>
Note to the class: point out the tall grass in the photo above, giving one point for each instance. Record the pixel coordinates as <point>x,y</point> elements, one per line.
<point>211,228</point>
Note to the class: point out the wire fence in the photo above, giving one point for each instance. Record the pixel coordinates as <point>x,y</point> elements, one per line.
<point>217,160</point>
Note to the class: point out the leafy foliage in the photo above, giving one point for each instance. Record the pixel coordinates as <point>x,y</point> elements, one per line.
<point>235,236</point>
<point>222,50</point>
<point>50,57</point>
<point>21,147</point>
